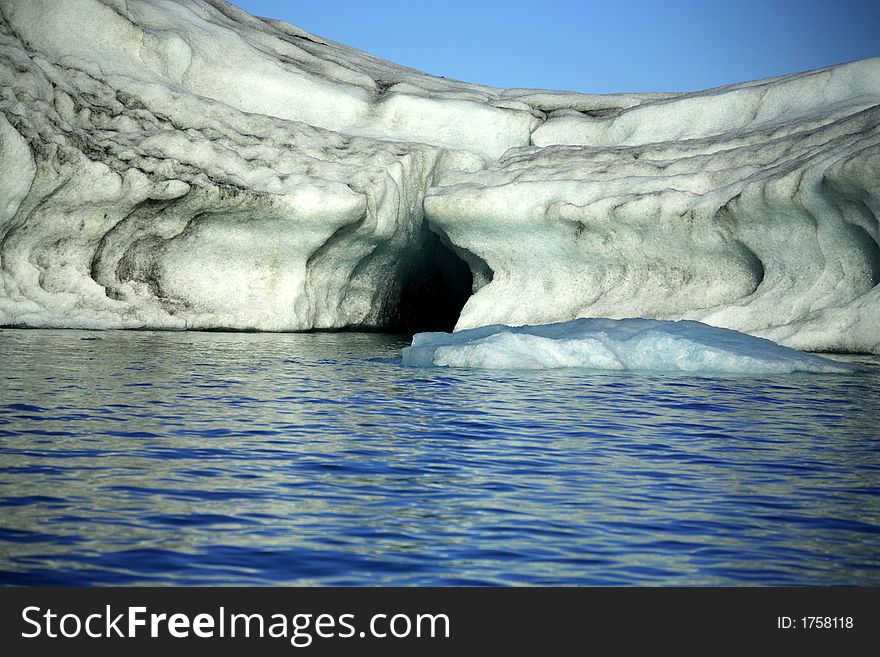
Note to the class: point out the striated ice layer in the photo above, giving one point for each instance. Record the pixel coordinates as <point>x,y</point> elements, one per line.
<point>753,207</point>
<point>608,344</point>
<point>185,165</point>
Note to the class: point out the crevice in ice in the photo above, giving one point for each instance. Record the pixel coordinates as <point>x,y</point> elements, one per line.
<point>382,86</point>
<point>871,253</point>
<point>753,263</point>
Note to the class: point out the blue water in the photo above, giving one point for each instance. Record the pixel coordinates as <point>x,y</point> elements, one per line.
<point>217,458</point>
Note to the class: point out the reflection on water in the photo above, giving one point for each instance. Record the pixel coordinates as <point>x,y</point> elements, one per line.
<point>136,457</point>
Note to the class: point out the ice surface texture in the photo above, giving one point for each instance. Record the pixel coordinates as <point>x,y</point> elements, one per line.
<point>613,344</point>
<point>186,165</point>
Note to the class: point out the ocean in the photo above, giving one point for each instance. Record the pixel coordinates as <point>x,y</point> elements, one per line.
<point>319,459</point>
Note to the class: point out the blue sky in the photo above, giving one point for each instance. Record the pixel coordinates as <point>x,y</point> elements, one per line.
<point>607,46</point>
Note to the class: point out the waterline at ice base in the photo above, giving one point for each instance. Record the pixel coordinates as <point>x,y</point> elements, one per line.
<point>190,166</point>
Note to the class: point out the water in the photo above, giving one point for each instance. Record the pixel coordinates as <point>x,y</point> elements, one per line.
<point>216,458</point>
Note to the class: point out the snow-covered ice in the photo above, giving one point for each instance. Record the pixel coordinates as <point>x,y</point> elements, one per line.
<point>183,164</point>
<point>609,344</point>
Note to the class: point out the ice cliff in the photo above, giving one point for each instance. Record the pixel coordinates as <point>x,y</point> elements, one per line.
<point>182,164</point>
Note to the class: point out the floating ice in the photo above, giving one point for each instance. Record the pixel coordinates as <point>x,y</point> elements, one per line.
<point>608,344</point>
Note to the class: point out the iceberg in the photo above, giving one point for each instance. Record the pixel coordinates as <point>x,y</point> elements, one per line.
<point>609,344</point>
<point>185,165</point>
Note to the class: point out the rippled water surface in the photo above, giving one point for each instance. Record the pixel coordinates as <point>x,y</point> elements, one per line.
<point>199,458</point>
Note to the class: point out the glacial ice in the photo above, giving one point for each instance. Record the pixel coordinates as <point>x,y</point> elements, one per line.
<point>613,344</point>
<point>183,164</point>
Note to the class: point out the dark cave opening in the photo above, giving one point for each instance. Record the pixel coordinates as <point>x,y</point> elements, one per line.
<point>434,290</point>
